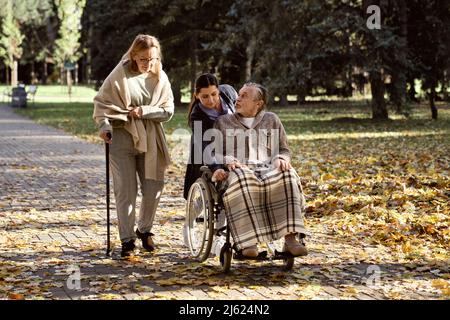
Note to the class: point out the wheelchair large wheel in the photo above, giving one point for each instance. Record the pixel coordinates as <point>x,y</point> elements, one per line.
<point>200,219</point>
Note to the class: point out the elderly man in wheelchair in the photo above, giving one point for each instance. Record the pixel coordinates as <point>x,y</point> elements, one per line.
<point>255,197</point>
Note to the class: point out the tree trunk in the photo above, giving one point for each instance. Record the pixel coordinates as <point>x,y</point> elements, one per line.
<point>69,81</point>
<point>7,75</point>
<point>61,74</point>
<point>33,74</point>
<point>283,100</point>
<point>250,53</point>
<point>76,73</point>
<point>301,95</point>
<point>14,74</point>
<point>176,89</point>
<point>348,71</point>
<point>45,73</point>
<point>399,85</point>
<point>348,91</point>
<point>87,67</point>
<point>412,91</point>
<point>434,111</point>
<point>194,61</point>
<point>88,70</point>
<point>379,110</point>
<point>272,100</point>
<point>445,87</point>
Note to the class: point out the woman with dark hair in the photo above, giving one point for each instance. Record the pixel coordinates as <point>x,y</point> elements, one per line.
<point>210,101</point>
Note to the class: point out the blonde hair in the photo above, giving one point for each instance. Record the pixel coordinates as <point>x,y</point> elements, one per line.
<point>143,42</point>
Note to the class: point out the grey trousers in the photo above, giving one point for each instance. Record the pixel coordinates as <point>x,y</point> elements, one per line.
<point>125,162</point>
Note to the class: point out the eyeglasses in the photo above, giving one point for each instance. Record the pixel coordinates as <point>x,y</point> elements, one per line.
<point>144,61</point>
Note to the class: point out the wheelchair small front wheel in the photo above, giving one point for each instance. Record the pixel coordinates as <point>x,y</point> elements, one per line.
<point>226,255</point>
<point>289,263</point>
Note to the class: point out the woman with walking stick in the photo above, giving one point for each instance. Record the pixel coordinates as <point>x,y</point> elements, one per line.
<point>130,106</point>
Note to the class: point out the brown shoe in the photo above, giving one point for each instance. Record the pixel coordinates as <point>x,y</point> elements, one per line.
<point>294,247</point>
<point>147,241</point>
<point>250,252</point>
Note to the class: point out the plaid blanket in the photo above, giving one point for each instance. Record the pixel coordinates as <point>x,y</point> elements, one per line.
<point>263,208</point>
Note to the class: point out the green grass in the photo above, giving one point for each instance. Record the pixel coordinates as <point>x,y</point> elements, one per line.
<point>314,120</point>
<point>352,117</point>
<point>76,117</point>
<point>56,93</point>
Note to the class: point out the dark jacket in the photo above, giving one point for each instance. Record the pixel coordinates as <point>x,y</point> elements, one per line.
<point>228,97</point>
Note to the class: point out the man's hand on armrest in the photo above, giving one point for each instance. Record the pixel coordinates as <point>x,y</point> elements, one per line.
<point>219,175</point>
<point>282,164</point>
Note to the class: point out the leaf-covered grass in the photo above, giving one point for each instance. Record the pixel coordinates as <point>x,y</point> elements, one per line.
<point>378,195</point>
<point>390,174</point>
<point>377,182</point>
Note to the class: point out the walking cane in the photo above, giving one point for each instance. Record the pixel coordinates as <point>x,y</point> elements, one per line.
<point>108,245</point>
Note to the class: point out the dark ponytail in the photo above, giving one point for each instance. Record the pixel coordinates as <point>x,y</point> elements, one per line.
<point>203,81</point>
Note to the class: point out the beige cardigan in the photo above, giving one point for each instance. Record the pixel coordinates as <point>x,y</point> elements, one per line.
<point>263,123</point>
<point>113,102</point>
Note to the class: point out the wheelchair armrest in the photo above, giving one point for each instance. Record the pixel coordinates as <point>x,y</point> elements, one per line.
<point>206,172</point>
<point>205,169</point>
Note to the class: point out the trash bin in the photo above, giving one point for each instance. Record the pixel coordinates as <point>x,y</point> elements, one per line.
<point>19,97</point>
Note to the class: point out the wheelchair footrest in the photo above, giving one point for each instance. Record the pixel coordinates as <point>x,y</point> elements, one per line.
<point>239,256</point>
<point>282,255</point>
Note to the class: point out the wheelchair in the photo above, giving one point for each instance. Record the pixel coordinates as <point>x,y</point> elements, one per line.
<point>205,214</point>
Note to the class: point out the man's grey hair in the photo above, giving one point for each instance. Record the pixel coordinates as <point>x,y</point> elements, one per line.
<point>263,94</point>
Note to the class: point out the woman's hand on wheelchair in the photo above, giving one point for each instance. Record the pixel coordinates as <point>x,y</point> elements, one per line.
<point>282,164</point>
<point>219,175</point>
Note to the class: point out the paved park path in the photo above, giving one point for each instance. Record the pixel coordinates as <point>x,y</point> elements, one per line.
<point>53,239</point>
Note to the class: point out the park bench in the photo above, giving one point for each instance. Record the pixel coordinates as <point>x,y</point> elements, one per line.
<point>32,92</point>
<point>7,94</point>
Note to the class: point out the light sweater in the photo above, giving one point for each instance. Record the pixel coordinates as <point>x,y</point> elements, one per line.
<point>265,125</point>
<point>114,102</point>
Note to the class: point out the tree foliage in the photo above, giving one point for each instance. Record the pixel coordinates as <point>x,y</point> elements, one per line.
<point>67,44</point>
<point>11,39</point>
<point>301,48</point>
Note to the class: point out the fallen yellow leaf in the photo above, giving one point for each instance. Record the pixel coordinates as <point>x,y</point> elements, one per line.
<point>440,284</point>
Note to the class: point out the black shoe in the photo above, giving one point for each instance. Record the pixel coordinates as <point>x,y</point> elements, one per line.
<point>127,248</point>
<point>147,241</point>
